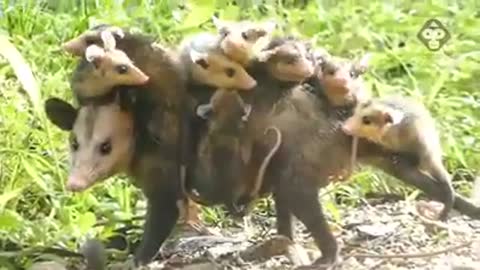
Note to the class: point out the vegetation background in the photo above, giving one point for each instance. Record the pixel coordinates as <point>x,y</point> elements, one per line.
<point>35,209</point>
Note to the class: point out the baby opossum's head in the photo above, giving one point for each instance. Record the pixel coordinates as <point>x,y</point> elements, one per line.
<point>226,113</point>
<point>239,40</point>
<point>287,60</point>
<point>101,140</point>
<point>215,69</point>
<point>371,120</point>
<point>108,68</point>
<point>77,45</point>
<point>341,80</point>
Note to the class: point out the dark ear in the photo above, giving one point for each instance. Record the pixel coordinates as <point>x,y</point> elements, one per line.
<point>60,113</point>
<point>204,111</point>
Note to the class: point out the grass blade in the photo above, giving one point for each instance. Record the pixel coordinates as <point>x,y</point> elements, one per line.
<point>22,71</point>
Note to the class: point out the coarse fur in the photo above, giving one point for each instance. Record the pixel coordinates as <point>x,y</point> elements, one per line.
<point>283,64</point>
<point>240,40</point>
<point>207,65</point>
<point>404,125</point>
<point>225,151</point>
<point>160,113</point>
<point>340,80</point>
<point>311,129</point>
<point>270,89</point>
<point>103,69</point>
<point>101,140</point>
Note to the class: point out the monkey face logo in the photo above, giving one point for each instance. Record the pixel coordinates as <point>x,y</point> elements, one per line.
<point>433,35</point>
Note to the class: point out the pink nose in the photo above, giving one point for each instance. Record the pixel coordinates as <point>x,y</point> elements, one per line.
<point>346,129</point>
<point>76,184</point>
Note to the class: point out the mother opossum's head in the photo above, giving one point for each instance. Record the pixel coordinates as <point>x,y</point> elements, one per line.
<point>101,140</point>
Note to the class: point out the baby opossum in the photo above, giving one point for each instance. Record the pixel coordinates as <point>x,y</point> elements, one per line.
<point>340,80</point>
<point>207,65</point>
<point>240,40</point>
<point>101,140</point>
<point>103,69</point>
<point>404,125</point>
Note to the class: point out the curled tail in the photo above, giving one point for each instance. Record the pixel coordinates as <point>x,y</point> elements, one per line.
<point>442,177</point>
<point>263,167</point>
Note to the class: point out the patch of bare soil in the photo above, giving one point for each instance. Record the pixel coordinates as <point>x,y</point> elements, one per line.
<point>384,236</point>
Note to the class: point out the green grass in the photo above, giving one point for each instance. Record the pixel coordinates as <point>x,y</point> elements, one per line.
<point>35,210</point>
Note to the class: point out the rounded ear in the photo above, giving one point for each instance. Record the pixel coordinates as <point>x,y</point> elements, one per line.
<point>393,117</point>
<point>361,65</point>
<point>93,53</point>
<point>61,113</point>
<point>247,110</point>
<point>116,31</point>
<point>204,111</point>
<point>199,58</point>
<point>264,56</point>
<point>109,42</point>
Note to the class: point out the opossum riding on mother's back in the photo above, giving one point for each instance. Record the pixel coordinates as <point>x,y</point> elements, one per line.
<point>311,130</point>
<point>283,64</point>
<point>158,113</point>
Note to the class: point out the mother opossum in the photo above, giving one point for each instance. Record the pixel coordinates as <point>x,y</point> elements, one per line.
<point>314,148</point>
<point>158,109</point>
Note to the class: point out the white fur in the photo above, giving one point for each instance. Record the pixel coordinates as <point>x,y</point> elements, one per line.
<point>203,110</point>
<point>269,26</point>
<point>264,56</point>
<point>396,115</point>
<point>363,63</point>
<point>195,55</point>
<point>248,110</point>
<point>109,42</point>
<point>117,30</point>
<point>94,52</point>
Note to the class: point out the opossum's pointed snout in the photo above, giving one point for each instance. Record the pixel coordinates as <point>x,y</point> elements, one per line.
<point>250,84</point>
<point>144,79</point>
<point>346,129</point>
<point>74,47</point>
<point>77,183</point>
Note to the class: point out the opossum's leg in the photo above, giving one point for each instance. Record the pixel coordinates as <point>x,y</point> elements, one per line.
<point>403,169</point>
<point>302,200</point>
<point>162,215</point>
<point>284,216</point>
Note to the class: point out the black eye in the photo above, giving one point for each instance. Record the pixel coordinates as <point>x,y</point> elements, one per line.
<point>202,63</point>
<point>353,74</point>
<point>224,33</point>
<point>244,36</point>
<point>121,69</point>
<point>230,72</point>
<point>106,147</point>
<point>74,144</point>
<point>366,120</point>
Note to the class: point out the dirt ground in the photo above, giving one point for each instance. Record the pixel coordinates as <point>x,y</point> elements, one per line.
<point>365,232</point>
<point>377,235</point>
